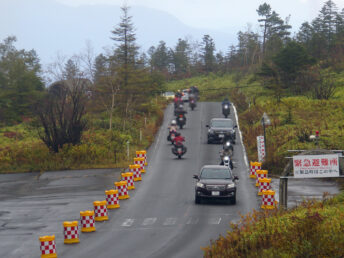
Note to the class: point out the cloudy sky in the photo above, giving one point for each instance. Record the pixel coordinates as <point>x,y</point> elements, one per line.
<point>220,14</point>
<point>63,26</point>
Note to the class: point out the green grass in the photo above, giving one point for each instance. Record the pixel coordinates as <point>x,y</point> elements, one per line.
<point>313,229</point>
<point>21,150</point>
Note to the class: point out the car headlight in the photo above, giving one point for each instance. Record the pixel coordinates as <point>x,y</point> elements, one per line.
<point>198,184</point>
<point>232,185</point>
<point>210,131</point>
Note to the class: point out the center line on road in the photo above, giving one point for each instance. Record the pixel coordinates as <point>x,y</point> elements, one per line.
<point>148,221</point>
<point>170,221</point>
<point>192,221</point>
<point>127,222</point>
<point>214,221</point>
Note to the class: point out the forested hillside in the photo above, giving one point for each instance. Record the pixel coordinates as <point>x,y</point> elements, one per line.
<point>92,105</point>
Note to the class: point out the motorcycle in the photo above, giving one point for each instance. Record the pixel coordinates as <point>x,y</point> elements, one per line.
<point>226,161</point>
<point>179,150</point>
<point>227,144</point>
<point>192,104</point>
<point>171,136</point>
<point>225,110</point>
<point>181,120</point>
<point>229,137</point>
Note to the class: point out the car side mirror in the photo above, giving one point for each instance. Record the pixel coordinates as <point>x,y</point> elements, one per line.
<point>235,126</point>
<point>196,177</point>
<point>207,126</point>
<point>236,178</point>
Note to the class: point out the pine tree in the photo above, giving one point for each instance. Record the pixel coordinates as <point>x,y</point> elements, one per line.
<point>127,50</point>
<point>208,49</point>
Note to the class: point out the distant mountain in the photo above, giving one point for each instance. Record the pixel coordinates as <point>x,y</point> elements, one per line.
<point>50,27</point>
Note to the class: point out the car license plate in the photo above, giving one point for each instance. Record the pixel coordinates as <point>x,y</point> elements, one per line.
<point>215,193</point>
<point>221,135</point>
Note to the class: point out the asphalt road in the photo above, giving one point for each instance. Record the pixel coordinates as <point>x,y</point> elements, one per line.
<point>159,220</point>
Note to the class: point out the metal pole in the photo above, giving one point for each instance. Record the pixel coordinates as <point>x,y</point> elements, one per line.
<point>128,150</point>
<point>140,135</point>
<point>283,193</point>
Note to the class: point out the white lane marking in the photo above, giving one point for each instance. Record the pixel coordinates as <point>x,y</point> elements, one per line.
<point>170,221</point>
<point>242,143</point>
<point>192,221</point>
<point>127,222</point>
<point>148,221</point>
<point>214,221</point>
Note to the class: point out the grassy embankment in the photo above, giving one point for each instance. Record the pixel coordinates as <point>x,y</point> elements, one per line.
<point>314,228</point>
<point>293,119</point>
<point>21,150</point>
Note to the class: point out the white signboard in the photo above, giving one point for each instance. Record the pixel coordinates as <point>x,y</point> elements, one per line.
<point>261,148</point>
<point>309,166</point>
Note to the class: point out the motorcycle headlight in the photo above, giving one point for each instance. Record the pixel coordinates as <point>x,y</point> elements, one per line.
<point>226,106</point>
<point>232,185</point>
<point>198,184</point>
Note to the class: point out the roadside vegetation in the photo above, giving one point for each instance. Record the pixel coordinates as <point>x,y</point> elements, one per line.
<point>313,229</point>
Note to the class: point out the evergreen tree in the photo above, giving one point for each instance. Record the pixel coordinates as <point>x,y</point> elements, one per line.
<point>275,30</point>
<point>127,50</point>
<point>208,49</point>
<point>180,57</point>
<point>20,82</point>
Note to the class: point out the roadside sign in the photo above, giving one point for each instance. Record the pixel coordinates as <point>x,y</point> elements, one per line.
<point>316,166</point>
<point>261,148</point>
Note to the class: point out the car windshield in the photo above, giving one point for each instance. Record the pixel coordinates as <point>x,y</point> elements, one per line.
<point>222,123</point>
<point>216,173</point>
<point>169,93</point>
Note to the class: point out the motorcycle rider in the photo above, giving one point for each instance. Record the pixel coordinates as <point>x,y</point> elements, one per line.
<point>227,152</point>
<point>173,126</point>
<point>179,110</point>
<point>226,102</point>
<point>178,140</point>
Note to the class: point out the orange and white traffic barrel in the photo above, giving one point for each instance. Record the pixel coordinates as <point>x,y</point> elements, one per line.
<point>71,232</point>
<point>136,170</point>
<point>268,200</point>
<point>100,211</point>
<point>87,221</point>
<point>48,246</point>
<point>112,199</point>
<point>261,174</point>
<point>264,184</point>
<point>122,190</point>
<point>141,162</point>
<point>142,154</point>
<point>254,166</point>
<point>129,177</point>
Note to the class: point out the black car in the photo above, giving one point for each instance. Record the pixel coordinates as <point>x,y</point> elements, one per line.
<point>221,129</point>
<point>215,182</point>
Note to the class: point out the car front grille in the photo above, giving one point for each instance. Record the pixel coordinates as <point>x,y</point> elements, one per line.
<point>216,187</point>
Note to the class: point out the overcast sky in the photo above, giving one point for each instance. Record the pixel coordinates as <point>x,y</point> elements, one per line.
<point>223,14</point>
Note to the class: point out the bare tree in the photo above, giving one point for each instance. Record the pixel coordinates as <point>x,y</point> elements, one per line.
<point>61,113</point>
